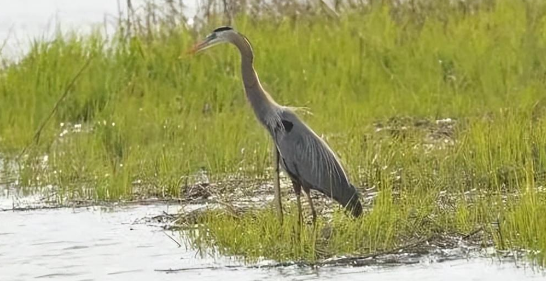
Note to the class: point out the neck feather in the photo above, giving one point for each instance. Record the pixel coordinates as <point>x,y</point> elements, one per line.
<point>265,108</point>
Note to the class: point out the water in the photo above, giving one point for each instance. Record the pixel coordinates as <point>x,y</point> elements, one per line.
<point>114,243</point>
<point>123,243</point>
<point>24,20</point>
<point>100,243</point>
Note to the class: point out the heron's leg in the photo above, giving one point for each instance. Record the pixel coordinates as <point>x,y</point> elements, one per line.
<point>276,182</point>
<point>297,190</point>
<point>308,195</point>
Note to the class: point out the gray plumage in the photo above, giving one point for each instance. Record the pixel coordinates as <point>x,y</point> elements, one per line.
<point>306,158</point>
<point>311,163</point>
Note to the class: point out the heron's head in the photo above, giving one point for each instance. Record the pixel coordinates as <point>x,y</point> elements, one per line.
<point>219,35</point>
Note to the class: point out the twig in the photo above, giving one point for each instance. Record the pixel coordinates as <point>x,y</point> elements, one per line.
<point>36,137</point>
<point>348,260</point>
<point>377,254</point>
<point>170,270</point>
<point>179,245</point>
<point>474,232</point>
<point>330,10</point>
<point>25,209</point>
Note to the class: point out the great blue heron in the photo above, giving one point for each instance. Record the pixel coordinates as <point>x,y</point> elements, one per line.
<point>306,158</point>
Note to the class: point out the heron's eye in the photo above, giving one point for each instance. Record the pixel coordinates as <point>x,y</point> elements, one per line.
<point>212,36</point>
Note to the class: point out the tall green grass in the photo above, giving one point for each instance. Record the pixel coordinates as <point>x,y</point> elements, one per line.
<point>140,121</point>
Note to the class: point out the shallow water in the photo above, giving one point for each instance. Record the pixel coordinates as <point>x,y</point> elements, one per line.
<point>116,243</point>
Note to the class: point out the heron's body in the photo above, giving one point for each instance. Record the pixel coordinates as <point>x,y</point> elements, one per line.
<point>306,158</point>
<point>311,164</point>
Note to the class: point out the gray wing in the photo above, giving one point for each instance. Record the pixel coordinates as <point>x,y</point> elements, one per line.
<point>309,160</point>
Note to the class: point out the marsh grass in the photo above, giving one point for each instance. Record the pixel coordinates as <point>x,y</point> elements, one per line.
<point>394,226</point>
<point>380,79</point>
<point>391,224</point>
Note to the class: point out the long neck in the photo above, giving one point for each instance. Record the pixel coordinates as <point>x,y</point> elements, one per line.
<point>264,106</point>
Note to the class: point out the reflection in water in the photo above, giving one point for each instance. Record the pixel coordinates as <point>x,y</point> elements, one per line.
<point>98,243</point>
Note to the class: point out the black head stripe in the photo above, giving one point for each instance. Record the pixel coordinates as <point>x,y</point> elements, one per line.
<point>223,28</point>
